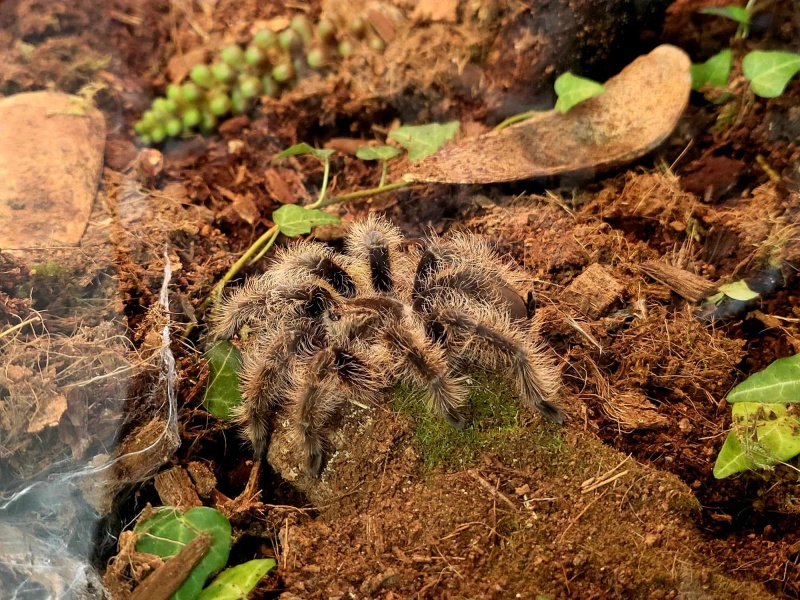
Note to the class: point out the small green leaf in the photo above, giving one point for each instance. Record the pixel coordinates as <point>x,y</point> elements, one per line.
<point>732,458</point>
<point>168,531</point>
<point>303,148</point>
<point>572,89</point>
<point>769,72</point>
<point>779,383</point>
<point>738,290</point>
<point>780,434</point>
<point>714,71</point>
<point>222,391</point>
<point>237,582</point>
<point>377,152</point>
<point>424,140</point>
<point>296,220</point>
<point>734,13</point>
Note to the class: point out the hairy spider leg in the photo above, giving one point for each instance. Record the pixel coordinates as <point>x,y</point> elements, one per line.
<point>417,359</point>
<point>265,380</point>
<point>320,261</point>
<point>376,243</point>
<point>490,341</point>
<point>248,304</point>
<point>319,389</point>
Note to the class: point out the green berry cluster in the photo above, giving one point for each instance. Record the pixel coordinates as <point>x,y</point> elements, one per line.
<point>271,62</point>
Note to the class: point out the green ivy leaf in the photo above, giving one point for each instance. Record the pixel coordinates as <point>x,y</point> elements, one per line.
<point>780,433</point>
<point>714,71</point>
<point>572,89</point>
<point>168,531</point>
<point>296,220</point>
<point>301,149</point>
<point>738,290</point>
<point>769,72</point>
<point>237,582</point>
<point>222,392</point>
<point>377,152</point>
<point>424,140</point>
<point>732,458</point>
<point>779,383</point>
<point>734,13</point>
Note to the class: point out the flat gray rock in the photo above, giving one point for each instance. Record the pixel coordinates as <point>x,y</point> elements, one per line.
<point>51,160</point>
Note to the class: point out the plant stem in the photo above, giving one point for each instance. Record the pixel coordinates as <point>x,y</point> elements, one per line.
<point>267,238</point>
<point>267,246</point>
<point>383,173</point>
<point>324,187</point>
<point>516,119</point>
<point>397,185</point>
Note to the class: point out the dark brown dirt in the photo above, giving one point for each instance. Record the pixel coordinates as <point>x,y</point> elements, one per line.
<point>644,377</point>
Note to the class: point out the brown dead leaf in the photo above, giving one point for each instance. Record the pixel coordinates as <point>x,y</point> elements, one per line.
<point>246,208</point>
<point>48,413</point>
<point>638,111</point>
<point>284,185</point>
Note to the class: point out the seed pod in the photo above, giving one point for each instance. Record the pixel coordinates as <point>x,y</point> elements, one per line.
<point>344,48</point>
<point>290,40</point>
<point>191,93</point>
<point>219,104</point>
<point>157,134</point>
<point>265,39</point>
<point>173,127</point>
<point>192,117</point>
<point>239,103</point>
<point>302,26</point>
<point>269,87</point>
<point>326,30</point>
<point>223,72</point>
<point>254,56</point>
<point>250,86</point>
<point>283,72</point>
<point>358,28</point>
<point>202,76</point>
<point>232,55</point>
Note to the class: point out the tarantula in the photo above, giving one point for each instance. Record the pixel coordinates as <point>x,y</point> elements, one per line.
<point>329,327</point>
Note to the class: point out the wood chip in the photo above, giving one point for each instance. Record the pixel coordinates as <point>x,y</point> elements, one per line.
<point>176,489</point>
<point>693,288</point>
<point>594,291</point>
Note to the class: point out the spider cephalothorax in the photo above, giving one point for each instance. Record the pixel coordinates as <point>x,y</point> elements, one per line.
<point>330,327</point>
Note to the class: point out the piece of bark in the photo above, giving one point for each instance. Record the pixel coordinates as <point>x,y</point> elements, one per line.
<point>165,581</point>
<point>638,110</point>
<point>594,291</point>
<point>687,285</point>
<point>203,477</point>
<point>51,159</point>
<point>176,489</point>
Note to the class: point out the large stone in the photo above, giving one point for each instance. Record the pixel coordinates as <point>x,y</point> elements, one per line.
<point>51,160</point>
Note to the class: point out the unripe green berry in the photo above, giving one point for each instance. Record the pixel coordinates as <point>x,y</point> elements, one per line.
<point>140,127</point>
<point>173,92</point>
<point>150,118</point>
<point>358,27</point>
<point>209,122</point>
<point>223,72</point>
<point>232,55</point>
<point>219,104</point>
<point>265,39</point>
<point>192,117</point>
<point>145,139</point>
<point>202,76</point>
<point>269,87</point>
<point>239,103</point>
<point>326,29</point>
<point>344,48</point>
<point>173,127</point>
<point>254,56</point>
<point>376,43</point>
<point>157,134</point>
<point>290,40</point>
<point>170,106</point>
<point>283,72</point>
<point>316,58</point>
<point>302,26</point>
<point>191,93</point>
<point>250,86</point>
